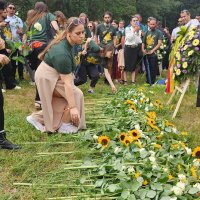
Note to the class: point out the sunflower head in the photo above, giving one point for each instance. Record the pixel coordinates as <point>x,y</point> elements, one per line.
<point>193,170</point>
<point>158,146</point>
<point>104,141</point>
<point>196,152</point>
<point>167,123</point>
<point>122,136</point>
<point>129,102</point>
<point>145,182</point>
<point>127,141</point>
<point>151,115</point>
<point>170,177</point>
<point>184,133</point>
<point>137,174</point>
<point>134,134</point>
<point>133,108</point>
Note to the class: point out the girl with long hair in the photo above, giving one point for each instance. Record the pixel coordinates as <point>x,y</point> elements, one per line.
<point>62,102</point>
<point>42,17</point>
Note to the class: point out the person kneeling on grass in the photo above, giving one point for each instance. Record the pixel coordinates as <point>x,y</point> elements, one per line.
<point>4,143</point>
<point>62,102</point>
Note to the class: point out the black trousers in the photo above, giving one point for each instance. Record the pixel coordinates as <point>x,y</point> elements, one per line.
<point>7,73</point>
<point>1,111</point>
<point>151,66</point>
<point>17,66</point>
<point>34,62</point>
<point>90,70</point>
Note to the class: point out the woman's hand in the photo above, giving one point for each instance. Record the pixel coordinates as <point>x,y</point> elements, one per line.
<point>75,117</point>
<point>114,89</point>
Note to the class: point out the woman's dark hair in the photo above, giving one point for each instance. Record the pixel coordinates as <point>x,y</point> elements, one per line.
<point>70,26</point>
<point>2,5</point>
<point>60,14</point>
<point>94,26</point>
<point>40,11</point>
<point>107,13</point>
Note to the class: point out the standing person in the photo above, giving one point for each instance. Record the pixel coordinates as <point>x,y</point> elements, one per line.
<point>132,41</point>
<point>4,60</point>
<point>61,19</point>
<point>105,36</point>
<point>6,35</point>
<point>187,21</point>
<point>150,44</point>
<point>16,26</point>
<point>40,16</point>
<point>62,102</point>
<point>92,27</point>
<point>4,143</point>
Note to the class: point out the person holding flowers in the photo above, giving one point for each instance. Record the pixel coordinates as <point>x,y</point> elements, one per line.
<point>38,20</point>
<point>62,102</point>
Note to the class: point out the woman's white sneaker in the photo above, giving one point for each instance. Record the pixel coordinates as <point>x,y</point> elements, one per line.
<point>35,123</point>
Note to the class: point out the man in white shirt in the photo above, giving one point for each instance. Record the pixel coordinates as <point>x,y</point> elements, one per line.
<point>175,31</point>
<point>187,21</point>
<point>16,26</point>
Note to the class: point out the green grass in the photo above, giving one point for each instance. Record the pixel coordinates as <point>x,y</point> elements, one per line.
<point>27,166</point>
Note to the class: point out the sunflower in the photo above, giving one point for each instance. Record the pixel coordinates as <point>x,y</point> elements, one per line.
<point>138,144</point>
<point>196,152</point>
<point>129,102</point>
<point>133,108</point>
<point>174,146</point>
<point>193,170</point>
<point>190,52</point>
<point>151,121</point>
<point>195,42</point>
<point>185,65</point>
<point>184,133</point>
<point>170,177</point>
<point>104,141</point>
<point>157,146</point>
<point>145,182</point>
<point>167,123</point>
<point>134,134</point>
<point>122,136</point>
<point>137,174</point>
<point>158,137</point>
<point>179,167</point>
<point>151,115</point>
<point>127,141</point>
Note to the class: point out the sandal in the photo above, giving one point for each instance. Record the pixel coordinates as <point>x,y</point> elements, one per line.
<point>125,83</point>
<point>133,82</point>
<point>38,105</point>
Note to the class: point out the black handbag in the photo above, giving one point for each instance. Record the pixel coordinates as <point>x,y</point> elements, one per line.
<point>51,32</point>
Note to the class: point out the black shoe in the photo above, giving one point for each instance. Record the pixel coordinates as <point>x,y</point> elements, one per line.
<point>6,144</point>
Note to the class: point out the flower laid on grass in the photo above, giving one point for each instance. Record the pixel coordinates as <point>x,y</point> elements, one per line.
<point>134,134</point>
<point>104,141</point>
<point>141,164</point>
<point>196,153</point>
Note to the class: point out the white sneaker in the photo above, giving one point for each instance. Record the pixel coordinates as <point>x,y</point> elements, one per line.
<point>67,128</point>
<point>3,90</point>
<point>17,88</point>
<point>35,123</point>
<point>32,83</point>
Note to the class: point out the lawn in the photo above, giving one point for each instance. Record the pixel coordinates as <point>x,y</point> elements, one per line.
<point>35,173</point>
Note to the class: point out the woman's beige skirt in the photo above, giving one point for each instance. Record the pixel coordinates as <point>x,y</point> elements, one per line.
<point>52,114</point>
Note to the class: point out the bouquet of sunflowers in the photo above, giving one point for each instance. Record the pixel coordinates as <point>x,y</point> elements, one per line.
<point>187,56</point>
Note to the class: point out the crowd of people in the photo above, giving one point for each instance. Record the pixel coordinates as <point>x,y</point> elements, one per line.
<point>66,52</point>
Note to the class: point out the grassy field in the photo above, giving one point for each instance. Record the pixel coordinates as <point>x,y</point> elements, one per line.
<point>31,173</point>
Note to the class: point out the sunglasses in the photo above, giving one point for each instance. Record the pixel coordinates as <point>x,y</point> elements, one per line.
<point>76,22</point>
<point>89,26</point>
<point>11,8</point>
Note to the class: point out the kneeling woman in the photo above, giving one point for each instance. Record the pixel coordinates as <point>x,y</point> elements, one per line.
<point>62,102</point>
